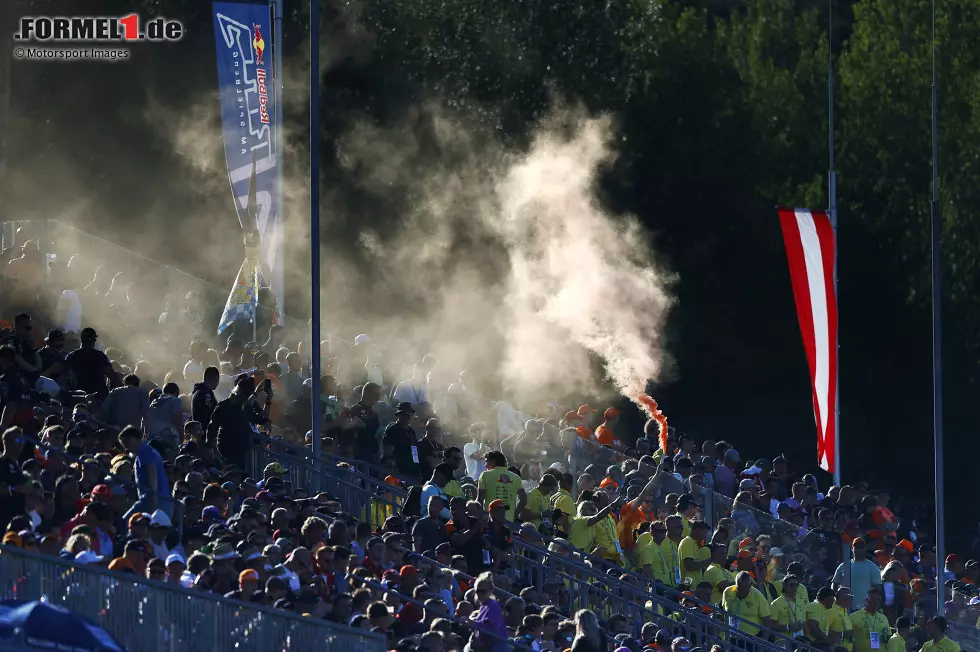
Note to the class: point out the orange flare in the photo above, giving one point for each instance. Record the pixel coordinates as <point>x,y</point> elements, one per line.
<point>650,406</point>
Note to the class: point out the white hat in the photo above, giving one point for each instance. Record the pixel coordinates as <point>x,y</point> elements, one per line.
<point>558,466</point>
<point>776,552</point>
<point>88,557</point>
<point>363,338</point>
<point>176,559</point>
<point>159,517</point>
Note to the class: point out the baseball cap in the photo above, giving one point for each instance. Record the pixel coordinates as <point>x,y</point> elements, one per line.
<point>571,415</point>
<point>160,519</point>
<point>139,517</point>
<point>777,552</point>
<point>494,504</point>
<point>585,409</point>
<point>274,467</point>
<point>88,334</point>
<point>176,559</point>
<point>686,502</point>
<point>363,338</point>
<point>746,485</point>
<point>102,491</point>
<point>404,407</point>
<point>611,413</point>
<point>224,551</point>
<point>248,574</point>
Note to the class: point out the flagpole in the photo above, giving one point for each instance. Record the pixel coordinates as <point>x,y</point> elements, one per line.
<point>937,338</point>
<point>277,53</point>
<point>832,196</point>
<point>315,219</point>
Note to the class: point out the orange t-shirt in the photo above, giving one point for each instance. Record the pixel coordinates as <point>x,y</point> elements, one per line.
<point>629,518</point>
<point>604,435</point>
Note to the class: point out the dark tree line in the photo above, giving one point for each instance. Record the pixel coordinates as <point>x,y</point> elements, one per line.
<point>722,113</point>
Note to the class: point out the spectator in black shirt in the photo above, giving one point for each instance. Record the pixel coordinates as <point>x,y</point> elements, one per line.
<point>429,532</point>
<point>367,425</point>
<point>203,401</point>
<point>14,485</point>
<point>25,356</point>
<point>53,357</point>
<point>231,422</point>
<point>401,443</point>
<point>89,366</point>
<point>430,447</point>
<point>466,535</point>
<point>16,400</point>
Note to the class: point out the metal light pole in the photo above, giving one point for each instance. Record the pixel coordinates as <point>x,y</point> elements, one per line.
<point>832,210</point>
<point>315,219</point>
<point>937,339</point>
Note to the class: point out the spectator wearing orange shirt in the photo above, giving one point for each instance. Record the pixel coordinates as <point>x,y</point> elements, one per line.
<point>604,433</point>
<point>637,509</point>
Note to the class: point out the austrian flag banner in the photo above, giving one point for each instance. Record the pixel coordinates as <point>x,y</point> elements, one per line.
<point>809,239</point>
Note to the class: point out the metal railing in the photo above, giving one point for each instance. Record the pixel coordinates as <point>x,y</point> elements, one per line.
<point>151,616</point>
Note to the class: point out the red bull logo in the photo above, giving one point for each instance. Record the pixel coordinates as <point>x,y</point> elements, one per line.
<point>258,44</point>
<point>263,95</point>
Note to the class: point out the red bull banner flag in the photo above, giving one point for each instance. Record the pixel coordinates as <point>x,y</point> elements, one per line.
<point>243,36</point>
<point>809,239</point>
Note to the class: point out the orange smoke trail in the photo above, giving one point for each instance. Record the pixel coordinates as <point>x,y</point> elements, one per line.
<point>650,406</point>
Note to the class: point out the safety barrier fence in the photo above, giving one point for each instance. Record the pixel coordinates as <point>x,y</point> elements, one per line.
<point>149,616</point>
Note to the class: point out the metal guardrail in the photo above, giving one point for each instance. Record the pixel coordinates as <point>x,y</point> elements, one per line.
<point>149,616</point>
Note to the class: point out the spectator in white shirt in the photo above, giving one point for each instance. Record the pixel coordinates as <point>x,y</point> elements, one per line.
<point>413,390</point>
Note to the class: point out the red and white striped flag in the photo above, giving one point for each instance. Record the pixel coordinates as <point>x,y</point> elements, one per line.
<point>809,239</point>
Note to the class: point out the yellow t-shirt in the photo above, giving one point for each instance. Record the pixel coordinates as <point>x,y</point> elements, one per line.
<point>499,483</point>
<point>716,575</point>
<point>648,553</point>
<point>895,644</point>
<point>944,645</point>
<point>605,536</point>
<point>581,534</point>
<point>865,624</point>
<point>561,500</point>
<point>839,622</point>
<point>816,611</point>
<point>537,504</point>
<point>686,524</point>
<point>745,613</point>
<point>670,549</point>
<point>688,548</point>
<point>788,614</point>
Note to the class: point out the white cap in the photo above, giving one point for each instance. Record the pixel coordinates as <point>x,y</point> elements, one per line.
<point>176,559</point>
<point>363,338</point>
<point>558,466</point>
<point>88,557</point>
<point>159,517</point>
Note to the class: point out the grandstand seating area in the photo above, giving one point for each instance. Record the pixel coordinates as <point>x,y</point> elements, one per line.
<point>152,482</point>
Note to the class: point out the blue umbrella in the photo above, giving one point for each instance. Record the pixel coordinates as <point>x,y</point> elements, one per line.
<point>48,626</point>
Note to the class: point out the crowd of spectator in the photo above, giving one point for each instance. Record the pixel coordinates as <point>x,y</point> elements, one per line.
<point>139,459</point>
